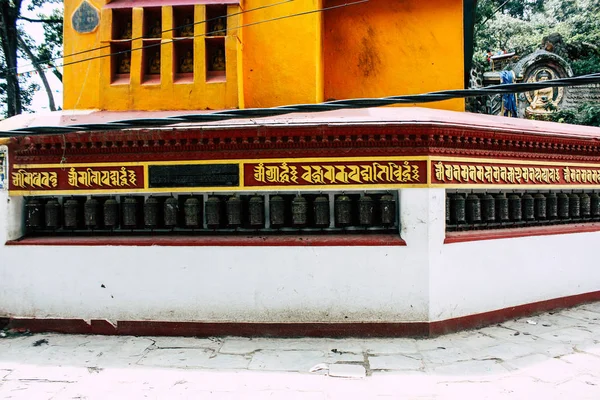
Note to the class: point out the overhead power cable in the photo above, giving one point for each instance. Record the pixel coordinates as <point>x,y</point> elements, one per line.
<point>163,42</point>
<point>305,108</point>
<point>141,37</point>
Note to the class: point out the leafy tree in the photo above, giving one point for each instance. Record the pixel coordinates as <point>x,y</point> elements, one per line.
<point>15,92</point>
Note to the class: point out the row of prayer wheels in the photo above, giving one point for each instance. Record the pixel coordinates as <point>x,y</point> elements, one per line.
<point>464,210</point>
<point>214,212</point>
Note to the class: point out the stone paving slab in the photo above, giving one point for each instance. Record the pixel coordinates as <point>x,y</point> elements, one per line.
<point>550,356</point>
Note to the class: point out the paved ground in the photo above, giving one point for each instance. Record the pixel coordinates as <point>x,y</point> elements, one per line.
<point>551,356</point>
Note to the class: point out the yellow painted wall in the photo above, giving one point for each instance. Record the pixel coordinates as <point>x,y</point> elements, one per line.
<point>382,47</point>
<point>394,47</point>
<point>80,79</point>
<point>282,59</point>
<point>97,89</point>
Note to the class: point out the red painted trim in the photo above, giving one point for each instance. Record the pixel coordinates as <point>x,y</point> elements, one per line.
<point>360,140</point>
<point>351,329</point>
<point>493,234</point>
<point>497,316</point>
<point>236,241</point>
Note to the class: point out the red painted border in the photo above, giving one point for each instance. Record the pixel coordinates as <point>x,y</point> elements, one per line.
<point>497,316</point>
<point>237,241</point>
<point>474,236</point>
<point>351,329</point>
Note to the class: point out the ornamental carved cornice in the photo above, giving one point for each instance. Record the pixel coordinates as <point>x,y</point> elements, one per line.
<point>303,141</point>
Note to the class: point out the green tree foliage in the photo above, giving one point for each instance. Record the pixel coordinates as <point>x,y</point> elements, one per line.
<point>521,25</point>
<point>15,90</point>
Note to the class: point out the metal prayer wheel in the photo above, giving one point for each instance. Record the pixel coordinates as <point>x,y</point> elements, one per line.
<point>528,207</point>
<point>52,214</point>
<point>343,210</point>
<point>34,213</point>
<point>129,212</point>
<point>473,209</point>
<point>191,212</point>
<point>515,211</point>
<point>595,205</point>
<point>70,211</point>
<point>501,207</point>
<point>151,212</point>
<point>256,211</point>
<point>111,213</point>
<point>277,211</point>
<point>458,209</point>
<point>321,211</point>
<point>170,210</point>
<point>387,210</point>
<point>586,205</point>
<point>563,206</point>
<point>91,212</point>
<point>365,210</point>
<point>299,210</point>
<point>574,205</point>
<point>447,209</point>
<point>234,211</point>
<point>488,208</point>
<point>213,212</point>
<point>551,206</point>
<point>540,206</point>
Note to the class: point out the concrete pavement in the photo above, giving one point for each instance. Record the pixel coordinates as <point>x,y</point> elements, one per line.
<point>550,356</point>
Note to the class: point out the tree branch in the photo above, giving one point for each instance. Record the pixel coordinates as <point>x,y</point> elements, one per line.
<point>40,71</point>
<point>44,20</point>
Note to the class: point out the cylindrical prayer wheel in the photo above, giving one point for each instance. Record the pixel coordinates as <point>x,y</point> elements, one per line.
<point>299,211</point>
<point>212,208</point>
<point>111,213</point>
<point>528,207</point>
<point>488,208</point>
<point>234,211</point>
<point>365,210</point>
<point>563,206</point>
<point>321,211</point>
<point>540,206</point>
<point>343,210</point>
<point>52,214</point>
<point>586,205</point>
<point>191,213</point>
<point>551,206</point>
<point>151,212</point>
<point>387,210</point>
<point>277,211</point>
<point>574,206</point>
<point>256,211</point>
<point>91,212</point>
<point>129,212</point>
<point>473,209</point>
<point>458,213</point>
<point>170,210</point>
<point>515,210</point>
<point>448,209</point>
<point>595,205</point>
<point>502,207</point>
<point>70,211</point>
<point>35,214</point>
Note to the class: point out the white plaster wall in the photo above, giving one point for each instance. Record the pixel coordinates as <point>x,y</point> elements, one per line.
<point>476,277</point>
<point>258,284</point>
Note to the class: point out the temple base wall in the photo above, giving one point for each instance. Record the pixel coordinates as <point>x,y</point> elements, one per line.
<point>425,282</point>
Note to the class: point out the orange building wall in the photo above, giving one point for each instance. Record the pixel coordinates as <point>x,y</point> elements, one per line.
<point>81,83</point>
<point>394,47</point>
<point>282,59</point>
<point>378,48</point>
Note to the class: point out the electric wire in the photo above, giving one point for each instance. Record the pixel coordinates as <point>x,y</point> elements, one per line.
<point>167,41</point>
<point>305,108</point>
<point>141,37</point>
